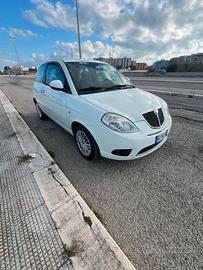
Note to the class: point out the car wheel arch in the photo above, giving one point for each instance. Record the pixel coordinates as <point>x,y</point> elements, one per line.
<point>76,124</point>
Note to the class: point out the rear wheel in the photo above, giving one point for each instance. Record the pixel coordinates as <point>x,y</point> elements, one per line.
<point>40,112</point>
<point>85,143</point>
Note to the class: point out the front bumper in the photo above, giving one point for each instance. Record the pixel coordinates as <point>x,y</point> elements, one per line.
<point>109,140</point>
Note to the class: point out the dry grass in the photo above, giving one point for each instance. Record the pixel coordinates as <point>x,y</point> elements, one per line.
<point>74,249</point>
<point>98,215</point>
<point>11,135</point>
<point>24,158</point>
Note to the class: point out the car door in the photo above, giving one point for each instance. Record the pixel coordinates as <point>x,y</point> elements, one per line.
<point>57,99</point>
<point>39,88</point>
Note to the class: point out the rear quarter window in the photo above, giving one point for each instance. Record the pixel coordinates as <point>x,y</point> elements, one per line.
<point>41,73</point>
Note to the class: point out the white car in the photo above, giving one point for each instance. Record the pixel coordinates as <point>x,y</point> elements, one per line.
<point>101,108</point>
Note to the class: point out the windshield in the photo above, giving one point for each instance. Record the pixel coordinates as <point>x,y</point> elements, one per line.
<point>91,77</point>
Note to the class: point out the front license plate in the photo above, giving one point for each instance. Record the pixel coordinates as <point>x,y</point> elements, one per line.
<point>160,137</point>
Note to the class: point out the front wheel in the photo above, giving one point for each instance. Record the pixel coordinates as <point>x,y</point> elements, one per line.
<point>86,143</point>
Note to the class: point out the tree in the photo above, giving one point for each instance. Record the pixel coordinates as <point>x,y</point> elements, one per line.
<point>6,70</point>
<point>172,67</point>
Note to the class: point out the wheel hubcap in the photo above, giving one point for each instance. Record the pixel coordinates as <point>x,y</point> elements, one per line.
<point>83,143</point>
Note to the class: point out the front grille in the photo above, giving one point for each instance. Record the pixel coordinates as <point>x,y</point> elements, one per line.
<point>155,119</point>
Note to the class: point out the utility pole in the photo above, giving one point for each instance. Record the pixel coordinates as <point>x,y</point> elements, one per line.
<point>16,52</point>
<point>109,51</point>
<point>110,47</point>
<point>78,28</point>
<point>71,53</point>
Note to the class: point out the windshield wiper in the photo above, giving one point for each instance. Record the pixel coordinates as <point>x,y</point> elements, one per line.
<point>95,88</point>
<point>120,86</point>
<point>90,88</point>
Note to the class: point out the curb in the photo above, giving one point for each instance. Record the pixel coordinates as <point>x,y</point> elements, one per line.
<point>75,222</point>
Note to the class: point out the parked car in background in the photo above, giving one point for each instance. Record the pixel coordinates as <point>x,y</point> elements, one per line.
<point>101,108</point>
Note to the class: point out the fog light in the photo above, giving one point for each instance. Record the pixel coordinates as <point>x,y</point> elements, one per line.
<point>121,152</point>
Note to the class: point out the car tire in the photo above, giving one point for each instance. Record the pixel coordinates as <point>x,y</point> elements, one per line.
<point>85,143</point>
<point>40,113</point>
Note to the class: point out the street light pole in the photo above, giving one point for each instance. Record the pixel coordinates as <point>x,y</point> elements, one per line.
<point>110,47</point>
<point>71,52</point>
<point>109,51</point>
<point>16,52</point>
<point>78,27</point>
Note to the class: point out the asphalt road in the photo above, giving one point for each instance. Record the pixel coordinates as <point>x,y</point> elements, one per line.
<point>165,78</point>
<point>162,78</point>
<point>169,83</point>
<point>153,207</point>
<point>195,84</point>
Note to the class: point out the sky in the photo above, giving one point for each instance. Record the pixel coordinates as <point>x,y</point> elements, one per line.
<point>145,30</point>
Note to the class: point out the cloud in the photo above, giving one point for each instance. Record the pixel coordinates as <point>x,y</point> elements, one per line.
<point>90,50</point>
<point>36,59</point>
<point>12,31</point>
<point>9,62</point>
<point>148,29</point>
<point>66,50</point>
<point>21,32</point>
<point>32,17</point>
<point>59,15</point>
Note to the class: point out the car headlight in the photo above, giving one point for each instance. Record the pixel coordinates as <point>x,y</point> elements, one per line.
<point>118,123</point>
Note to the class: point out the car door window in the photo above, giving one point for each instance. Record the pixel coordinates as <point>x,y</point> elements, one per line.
<point>40,73</point>
<point>54,72</point>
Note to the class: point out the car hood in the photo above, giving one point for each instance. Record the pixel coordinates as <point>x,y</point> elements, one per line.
<point>131,103</point>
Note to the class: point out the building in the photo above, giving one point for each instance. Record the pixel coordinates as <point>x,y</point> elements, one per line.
<point>32,70</point>
<point>160,65</point>
<point>133,64</point>
<point>189,59</point>
<point>102,59</point>
<point>111,61</point>
<point>196,58</point>
<point>126,63</point>
<point>141,66</point>
<point>174,60</point>
<point>119,63</point>
<point>123,63</point>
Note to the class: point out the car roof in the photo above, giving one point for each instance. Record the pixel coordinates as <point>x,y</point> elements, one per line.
<point>74,60</point>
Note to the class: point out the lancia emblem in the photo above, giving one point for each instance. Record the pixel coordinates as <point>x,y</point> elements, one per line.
<point>156,111</point>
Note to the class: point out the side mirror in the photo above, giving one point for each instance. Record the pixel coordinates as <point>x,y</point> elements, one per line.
<point>56,84</point>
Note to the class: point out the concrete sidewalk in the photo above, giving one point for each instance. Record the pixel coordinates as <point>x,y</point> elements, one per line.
<point>45,224</point>
<point>28,237</point>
